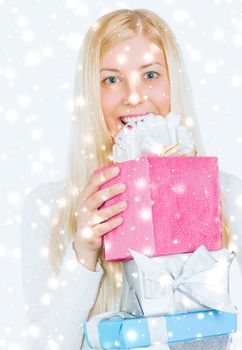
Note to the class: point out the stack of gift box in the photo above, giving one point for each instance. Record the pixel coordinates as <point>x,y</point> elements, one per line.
<point>170,241</point>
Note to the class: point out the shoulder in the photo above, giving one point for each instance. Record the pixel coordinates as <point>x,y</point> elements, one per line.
<point>231,187</point>
<point>39,208</point>
<point>230,182</point>
<point>50,190</point>
<point>45,196</point>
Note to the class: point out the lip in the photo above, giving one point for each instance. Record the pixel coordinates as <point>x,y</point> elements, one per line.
<point>133,115</point>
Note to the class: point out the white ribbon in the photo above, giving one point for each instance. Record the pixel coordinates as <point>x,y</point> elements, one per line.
<point>201,278</point>
<point>156,327</point>
<point>152,136</point>
<point>158,332</point>
<point>92,325</point>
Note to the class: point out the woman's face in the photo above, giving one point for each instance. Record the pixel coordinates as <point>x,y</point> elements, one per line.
<point>133,79</point>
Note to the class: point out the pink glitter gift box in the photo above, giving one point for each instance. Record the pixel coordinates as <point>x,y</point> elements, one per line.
<point>173,207</point>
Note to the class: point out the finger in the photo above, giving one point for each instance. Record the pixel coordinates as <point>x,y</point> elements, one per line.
<point>109,225</point>
<point>104,214</point>
<point>98,198</point>
<point>96,180</point>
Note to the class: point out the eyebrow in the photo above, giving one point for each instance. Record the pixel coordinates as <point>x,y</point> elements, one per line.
<point>141,67</point>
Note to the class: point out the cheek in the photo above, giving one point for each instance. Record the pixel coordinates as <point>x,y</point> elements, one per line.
<point>160,92</point>
<point>108,99</point>
<point>103,99</point>
<point>165,89</point>
<point>161,97</point>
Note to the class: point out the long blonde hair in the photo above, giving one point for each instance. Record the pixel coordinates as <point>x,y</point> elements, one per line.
<point>91,143</point>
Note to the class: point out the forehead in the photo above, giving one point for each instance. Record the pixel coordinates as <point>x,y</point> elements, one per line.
<point>135,51</point>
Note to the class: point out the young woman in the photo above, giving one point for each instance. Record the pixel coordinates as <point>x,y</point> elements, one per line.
<point>130,63</point>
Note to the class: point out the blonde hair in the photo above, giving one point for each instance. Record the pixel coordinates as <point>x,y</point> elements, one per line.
<point>91,143</point>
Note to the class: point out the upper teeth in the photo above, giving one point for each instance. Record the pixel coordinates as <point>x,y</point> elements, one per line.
<point>132,119</point>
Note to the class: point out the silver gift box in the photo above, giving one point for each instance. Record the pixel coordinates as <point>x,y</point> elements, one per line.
<point>222,342</point>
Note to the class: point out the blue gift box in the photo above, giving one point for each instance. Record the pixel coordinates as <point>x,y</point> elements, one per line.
<point>126,333</point>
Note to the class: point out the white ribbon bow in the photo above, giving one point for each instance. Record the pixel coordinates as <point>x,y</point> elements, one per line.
<point>152,135</point>
<point>156,326</point>
<point>174,286</point>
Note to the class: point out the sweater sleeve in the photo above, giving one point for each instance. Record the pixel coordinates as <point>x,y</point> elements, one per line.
<point>55,307</point>
<point>232,189</point>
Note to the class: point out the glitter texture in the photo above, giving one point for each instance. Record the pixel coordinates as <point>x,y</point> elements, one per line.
<point>181,194</point>
<point>213,343</point>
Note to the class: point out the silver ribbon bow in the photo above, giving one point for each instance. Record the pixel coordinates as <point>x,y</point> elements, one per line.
<point>153,135</point>
<point>172,285</point>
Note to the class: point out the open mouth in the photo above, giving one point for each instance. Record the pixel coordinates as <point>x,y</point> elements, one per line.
<point>123,122</point>
<point>135,120</point>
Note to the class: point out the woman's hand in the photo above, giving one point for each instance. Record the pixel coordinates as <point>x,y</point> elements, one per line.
<point>93,223</point>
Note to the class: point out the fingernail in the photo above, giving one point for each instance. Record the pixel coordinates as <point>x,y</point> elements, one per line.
<point>120,187</point>
<point>119,219</point>
<point>122,205</point>
<point>115,170</point>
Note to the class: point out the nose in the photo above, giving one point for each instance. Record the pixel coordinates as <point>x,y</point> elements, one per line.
<point>133,91</point>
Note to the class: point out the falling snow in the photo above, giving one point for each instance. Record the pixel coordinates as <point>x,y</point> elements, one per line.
<point>40,48</point>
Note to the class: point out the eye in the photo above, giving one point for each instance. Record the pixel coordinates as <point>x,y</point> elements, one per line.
<point>111,79</point>
<point>152,73</point>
